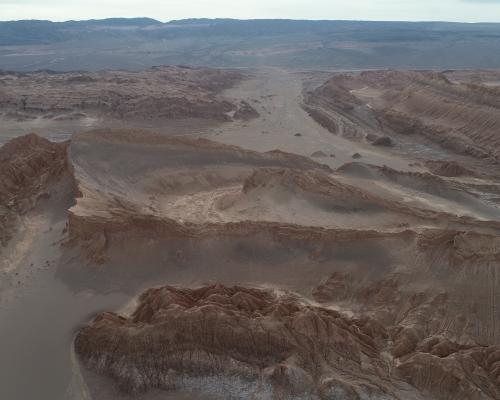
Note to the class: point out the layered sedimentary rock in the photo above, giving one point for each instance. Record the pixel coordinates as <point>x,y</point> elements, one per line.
<point>412,306</point>
<point>273,276</point>
<point>176,184</point>
<point>236,342</point>
<point>156,93</point>
<point>194,187</point>
<point>28,165</point>
<point>333,285</point>
<point>406,333</point>
<point>448,168</point>
<point>459,115</point>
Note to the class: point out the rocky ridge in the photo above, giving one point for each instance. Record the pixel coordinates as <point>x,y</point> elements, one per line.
<point>412,317</point>
<point>28,166</point>
<point>155,93</point>
<point>458,115</point>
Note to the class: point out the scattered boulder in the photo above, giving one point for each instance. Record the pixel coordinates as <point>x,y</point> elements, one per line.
<point>448,169</point>
<point>245,112</point>
<point>384,141</point>
<point>318,154</point>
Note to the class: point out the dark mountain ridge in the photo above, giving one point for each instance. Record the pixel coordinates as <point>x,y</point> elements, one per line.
<point>137,43</point>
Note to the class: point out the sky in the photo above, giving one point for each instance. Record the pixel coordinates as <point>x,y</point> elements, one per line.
<point>165,10</point>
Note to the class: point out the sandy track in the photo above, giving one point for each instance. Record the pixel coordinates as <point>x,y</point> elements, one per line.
<point>277,95</point>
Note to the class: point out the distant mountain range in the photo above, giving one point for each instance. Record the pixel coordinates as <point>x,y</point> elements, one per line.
<point>141,42</point>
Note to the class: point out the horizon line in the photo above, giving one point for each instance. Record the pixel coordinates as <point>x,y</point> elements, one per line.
<point>250,19</point>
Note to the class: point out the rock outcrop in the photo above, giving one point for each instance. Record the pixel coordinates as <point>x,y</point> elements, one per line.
<point>236,342</point>
<point>245,112</point>
<point>394,300</point>
<point>458,115</point>
<point>155,93</point>
<point>28,165</point>
<point>448,168</point>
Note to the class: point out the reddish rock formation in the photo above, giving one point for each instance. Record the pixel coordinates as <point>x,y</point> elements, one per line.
<point>417,301</point>
<point>236,342</point>
<point>155,93</point>
<point>425,353</point>
<point>28,164</point>
<point>450,373</point>
<point>258,342</point>
<point>448,168</point>
<point>461,116</point>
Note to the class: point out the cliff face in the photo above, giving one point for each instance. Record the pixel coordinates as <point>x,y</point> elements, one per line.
<point>257,341</point>
<point>457,115</point>
<point>172,188</point>
<point>415,326</point>
<point>237,342</point>
<point>155,93</point>
<point>28,166</point>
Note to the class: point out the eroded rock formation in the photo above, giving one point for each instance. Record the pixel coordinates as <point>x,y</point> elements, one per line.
<point>348,292</point>
<point>155,93</point>
<point>237,342</point>
<point>458,115</point>
<point>259,342</point>
<point>28,165</point>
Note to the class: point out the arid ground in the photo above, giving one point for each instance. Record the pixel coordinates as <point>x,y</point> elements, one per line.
<point>190,233</point>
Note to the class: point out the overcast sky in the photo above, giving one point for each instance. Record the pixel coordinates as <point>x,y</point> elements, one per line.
<point>164,10</point>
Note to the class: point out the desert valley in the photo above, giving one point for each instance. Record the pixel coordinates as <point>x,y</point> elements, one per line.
<point>250,232</point>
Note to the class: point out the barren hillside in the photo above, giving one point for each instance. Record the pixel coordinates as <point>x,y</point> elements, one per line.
<point>160,92</point>
<point>457,114</point>
<point>303,247</point>
<point>194,208</point>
